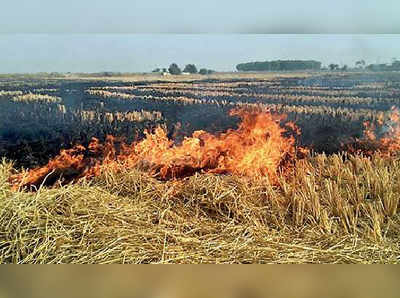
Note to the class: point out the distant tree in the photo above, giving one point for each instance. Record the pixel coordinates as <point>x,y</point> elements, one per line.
<point>174,69</point>
<point>203,71</point>
<point>279,65</point>
<point>333,66</point>
<point>164,70</point>
<point>380,67</point>
<point>190,68</point>
<point>344,68</point>
<point>395,64</point>
<point>156,70</point>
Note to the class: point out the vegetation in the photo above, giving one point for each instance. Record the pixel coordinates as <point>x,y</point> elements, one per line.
<point>30,97</point>
<point>279,65</point>
<point>333,66</point>
<point>394,66</point>
<point>190,68</point>
<point>6,94</point>
<point>204,71</point>
<point>174,69</point>
<point>315,216</point>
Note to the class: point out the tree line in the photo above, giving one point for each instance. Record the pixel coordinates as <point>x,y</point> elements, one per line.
<point>279,65</point>
<point>394,66</point>
<point>174,69</point>
<point>362,65</point>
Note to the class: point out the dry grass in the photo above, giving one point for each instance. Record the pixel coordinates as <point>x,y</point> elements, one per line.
<point>329,211</point>
<point>41,98</point>
<point>138,77</point>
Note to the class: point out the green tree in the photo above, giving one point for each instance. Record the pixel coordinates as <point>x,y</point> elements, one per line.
<point>174,69</point>
<point>190,68</point>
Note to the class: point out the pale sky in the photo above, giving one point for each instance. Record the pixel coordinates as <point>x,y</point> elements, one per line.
<point>205,16</point>
<point>27,53</point>
<point>138,36</point>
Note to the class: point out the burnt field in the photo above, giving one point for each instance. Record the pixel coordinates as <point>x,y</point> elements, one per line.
<point>240,169</point>
<point>38,117</point>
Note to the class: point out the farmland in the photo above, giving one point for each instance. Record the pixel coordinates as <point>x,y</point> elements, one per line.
<point>233,168</point>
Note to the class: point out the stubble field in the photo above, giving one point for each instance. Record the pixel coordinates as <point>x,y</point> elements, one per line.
<point>254,168</point>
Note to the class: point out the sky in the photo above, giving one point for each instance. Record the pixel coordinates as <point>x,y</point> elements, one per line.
<point>138,36</point>
<point>205,16</point>
<point>30,53</point>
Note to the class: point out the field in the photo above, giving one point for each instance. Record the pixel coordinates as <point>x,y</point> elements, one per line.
<point>225,168</point>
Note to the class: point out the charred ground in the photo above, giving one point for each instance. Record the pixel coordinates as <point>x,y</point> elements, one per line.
<point>329,109</point>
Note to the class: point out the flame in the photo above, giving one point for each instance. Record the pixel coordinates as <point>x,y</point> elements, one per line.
<point>382,137</point>
<point>259,147</point>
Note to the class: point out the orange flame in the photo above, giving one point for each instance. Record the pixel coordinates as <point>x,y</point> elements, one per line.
<point>382,137</point>
<point>258,148</point>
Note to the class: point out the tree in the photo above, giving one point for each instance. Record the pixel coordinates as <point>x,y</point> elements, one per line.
<point>344,68</point>
<point>174,69</point>
<point>278,65</point>
<point>156,70</point>
<point>203,71</point>
<point>379,67</point>
<point>190,68</point>
<point>333,66</point>
<point>395,64</point>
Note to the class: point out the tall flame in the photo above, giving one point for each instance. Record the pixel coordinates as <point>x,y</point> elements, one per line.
<point>258,147</point>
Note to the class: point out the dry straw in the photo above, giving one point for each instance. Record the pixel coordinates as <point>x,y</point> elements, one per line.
<point>334,209</point>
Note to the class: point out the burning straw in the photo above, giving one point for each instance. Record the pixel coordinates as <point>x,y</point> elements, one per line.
<point>259,147</point>
<point>382,137</point>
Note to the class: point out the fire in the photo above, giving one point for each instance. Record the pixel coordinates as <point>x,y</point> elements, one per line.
<point>382,137</point>
<point>259,147</point>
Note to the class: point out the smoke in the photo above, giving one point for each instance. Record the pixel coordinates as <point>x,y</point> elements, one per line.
<point>390,125</point>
